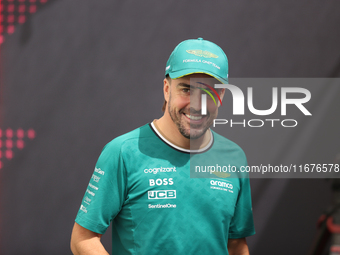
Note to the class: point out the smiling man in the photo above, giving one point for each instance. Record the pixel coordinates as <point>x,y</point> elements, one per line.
<point>183,121</point>
<point>146,182</point>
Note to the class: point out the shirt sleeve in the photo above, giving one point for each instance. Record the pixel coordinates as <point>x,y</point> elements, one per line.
<point>106,191</point>
<point>242,224</point>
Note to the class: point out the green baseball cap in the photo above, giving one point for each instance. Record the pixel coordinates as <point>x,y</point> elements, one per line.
<point>198,56</point>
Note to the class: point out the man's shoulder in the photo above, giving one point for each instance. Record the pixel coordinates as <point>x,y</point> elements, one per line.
<point>141,132</point>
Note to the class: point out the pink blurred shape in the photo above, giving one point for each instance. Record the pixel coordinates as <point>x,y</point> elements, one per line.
<point>30,133</point>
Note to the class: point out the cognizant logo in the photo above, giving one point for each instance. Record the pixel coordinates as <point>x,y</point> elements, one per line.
<point>157,170</point>
<point>239,105</point>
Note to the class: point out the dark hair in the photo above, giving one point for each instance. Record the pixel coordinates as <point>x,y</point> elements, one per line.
<point>163,107</point>
<point>164,104</point>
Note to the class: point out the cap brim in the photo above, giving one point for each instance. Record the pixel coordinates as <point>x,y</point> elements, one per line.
<point>182,73</point>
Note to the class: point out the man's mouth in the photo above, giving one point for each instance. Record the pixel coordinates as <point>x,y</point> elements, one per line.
<point>194,117</point>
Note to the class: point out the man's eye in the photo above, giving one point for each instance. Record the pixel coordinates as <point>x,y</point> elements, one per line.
<point>185,90</point>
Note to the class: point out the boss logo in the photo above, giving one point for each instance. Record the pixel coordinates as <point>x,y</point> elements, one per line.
<point>159,182</point>
<point>162,194</point>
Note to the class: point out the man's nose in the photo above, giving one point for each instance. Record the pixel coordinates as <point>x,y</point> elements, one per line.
<point>195,100</point>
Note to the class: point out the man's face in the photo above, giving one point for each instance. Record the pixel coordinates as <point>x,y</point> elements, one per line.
<point>184,104</point>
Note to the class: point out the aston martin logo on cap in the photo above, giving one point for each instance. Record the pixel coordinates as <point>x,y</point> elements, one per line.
<point>202,53</point>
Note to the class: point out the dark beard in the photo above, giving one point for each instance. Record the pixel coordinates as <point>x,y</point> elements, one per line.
<point>180,127</point>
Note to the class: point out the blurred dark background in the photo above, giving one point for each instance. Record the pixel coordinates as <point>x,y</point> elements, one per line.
<point>76,74</point>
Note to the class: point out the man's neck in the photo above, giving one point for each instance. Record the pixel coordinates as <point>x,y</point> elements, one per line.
<point>169,131</point>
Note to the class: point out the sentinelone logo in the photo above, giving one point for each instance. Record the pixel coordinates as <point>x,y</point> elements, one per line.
<point>238,105</point>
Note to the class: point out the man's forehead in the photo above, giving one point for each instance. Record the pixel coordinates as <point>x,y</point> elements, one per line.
<point>198,83</point>
<point>196,86</point>
<point>198,79</point>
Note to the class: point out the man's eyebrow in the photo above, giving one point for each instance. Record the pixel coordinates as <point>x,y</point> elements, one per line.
<point>182,84</point>
<point>185,85</point>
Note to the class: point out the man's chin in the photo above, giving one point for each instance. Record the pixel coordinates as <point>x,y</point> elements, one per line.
<point>191,135</point>
<point>194,134</point>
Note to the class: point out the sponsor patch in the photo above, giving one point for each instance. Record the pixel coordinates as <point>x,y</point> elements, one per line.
<point>202,53</point>
<point>162,194</point>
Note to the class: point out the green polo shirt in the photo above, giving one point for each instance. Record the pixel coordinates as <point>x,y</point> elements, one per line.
<point>143,185</point>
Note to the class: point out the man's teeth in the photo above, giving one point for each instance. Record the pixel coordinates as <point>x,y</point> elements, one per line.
<point>194,117</point>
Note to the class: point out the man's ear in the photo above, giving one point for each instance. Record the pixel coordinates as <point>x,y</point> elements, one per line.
<point>221,96</point>
<point>166,89</point>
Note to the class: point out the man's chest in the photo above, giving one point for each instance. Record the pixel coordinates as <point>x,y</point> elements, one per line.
<point>160,184</point>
